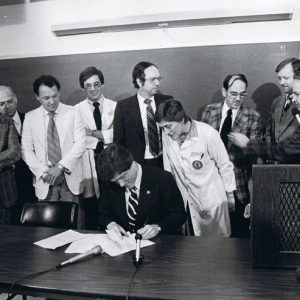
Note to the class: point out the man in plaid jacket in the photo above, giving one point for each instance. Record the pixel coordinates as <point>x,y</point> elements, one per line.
<point>246,121</point>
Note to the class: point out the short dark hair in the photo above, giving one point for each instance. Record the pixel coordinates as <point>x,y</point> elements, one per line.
<point>171,111</point>
<point>114,160</point>
<point>139,72</point>
<point>47,80</point>
<point>87,73</point>
<point>295,62</point>
<point>234,77</point>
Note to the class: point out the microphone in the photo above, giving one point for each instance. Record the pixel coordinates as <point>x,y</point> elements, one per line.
<point>94,251</point>
<point>296,113</point>
<point>138,258</point>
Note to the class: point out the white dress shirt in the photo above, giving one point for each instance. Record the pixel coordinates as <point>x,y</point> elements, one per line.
<point>224,115</point>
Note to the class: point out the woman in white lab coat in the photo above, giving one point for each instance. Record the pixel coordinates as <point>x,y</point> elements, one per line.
<point>196,156</point>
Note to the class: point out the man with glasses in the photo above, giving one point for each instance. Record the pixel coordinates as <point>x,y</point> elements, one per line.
<point>286,151</point>
<point>134,124</point>
<point>232,116</point>
<point>97,113</point>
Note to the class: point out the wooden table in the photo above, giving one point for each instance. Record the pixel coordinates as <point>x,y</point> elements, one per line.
<point>174,268</point>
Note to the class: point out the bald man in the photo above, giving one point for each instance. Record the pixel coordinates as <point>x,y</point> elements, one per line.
<point>23,176</point>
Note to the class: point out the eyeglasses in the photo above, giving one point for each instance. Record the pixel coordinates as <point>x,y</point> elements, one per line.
<point>95,85</point>
<point>152,79</point>
<point>234,95</point>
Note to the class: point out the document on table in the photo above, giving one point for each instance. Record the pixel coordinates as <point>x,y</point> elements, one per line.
<point>60,239</point>
<point>110,243</point>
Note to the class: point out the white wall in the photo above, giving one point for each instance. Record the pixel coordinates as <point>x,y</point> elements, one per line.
<point>30,32</point>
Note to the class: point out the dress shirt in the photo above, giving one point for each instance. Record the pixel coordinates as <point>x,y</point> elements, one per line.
<point>137,185</point>
<point>143,110</point>
<point>46,122</point>
<point>224,115</point>
<point>100,101</point>
<point>17,122</point>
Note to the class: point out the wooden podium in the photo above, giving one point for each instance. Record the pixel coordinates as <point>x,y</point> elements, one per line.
<point>275,216</point>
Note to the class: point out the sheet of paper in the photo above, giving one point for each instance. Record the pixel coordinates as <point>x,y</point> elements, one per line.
<point>110,243</point>
<point>60,239</point>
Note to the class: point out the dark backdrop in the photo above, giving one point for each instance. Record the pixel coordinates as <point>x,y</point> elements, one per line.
<point>192,75</point>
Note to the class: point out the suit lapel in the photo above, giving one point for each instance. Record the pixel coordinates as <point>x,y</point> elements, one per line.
<point>2,134</point>
<point>216,116</point>
<point>134,111</point>
<point>87,114</point>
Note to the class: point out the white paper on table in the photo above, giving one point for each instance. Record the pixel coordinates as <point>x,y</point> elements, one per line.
<point>60,239</point>
<point>110,243</point>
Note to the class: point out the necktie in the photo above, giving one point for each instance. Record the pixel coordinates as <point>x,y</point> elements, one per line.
<point>226,128</point>
<point>288,102</point>
<point>54,151</point>
<point>152,130</point>
<point>98,121</point>
<point>132,207</point>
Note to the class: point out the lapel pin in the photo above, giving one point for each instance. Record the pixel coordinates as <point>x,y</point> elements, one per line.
<point>147,192</point>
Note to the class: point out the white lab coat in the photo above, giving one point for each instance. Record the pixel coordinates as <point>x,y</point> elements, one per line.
<point>91,186</point>
<point>203,173</point>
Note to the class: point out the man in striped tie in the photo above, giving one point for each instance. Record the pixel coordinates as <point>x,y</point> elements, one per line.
<point>53,142</point>
<point>134,123</point>
<point>137,198</point>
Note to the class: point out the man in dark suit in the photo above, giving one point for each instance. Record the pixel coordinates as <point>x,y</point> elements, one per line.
<point>23,176</point>
<point>10,153</point>
<point>286,150</point>
<point>281,121</point>
<point>232,116</point>
<point>134,122</point>
<point>138,198</point>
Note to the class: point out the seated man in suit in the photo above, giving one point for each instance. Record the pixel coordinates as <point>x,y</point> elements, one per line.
<point>23,176</point>
<point>138,198</point>
<point>10,153</point>
<point>134,123</point>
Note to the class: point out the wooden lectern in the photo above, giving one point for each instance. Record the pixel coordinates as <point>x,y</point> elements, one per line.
<point>275,216</point>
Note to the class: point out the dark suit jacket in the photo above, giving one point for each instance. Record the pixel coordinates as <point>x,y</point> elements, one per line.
<point>24,177</point>
<point>279,128</point>
<point>247,122</point>
<point>160,202</point>
<point>128,126</point>
<point>10,153</point>
<point>286,151</point>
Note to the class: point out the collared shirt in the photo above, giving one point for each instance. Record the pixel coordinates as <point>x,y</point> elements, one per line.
<point>100,101</point>
<point>46,122</point>
<point>288,100</point>
<point>137,184</point>
<point>224,114</point>
<point>143,110</point>
<point>17,122</point>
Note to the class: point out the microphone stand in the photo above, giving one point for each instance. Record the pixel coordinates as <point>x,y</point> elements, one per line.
<point>138,258</point>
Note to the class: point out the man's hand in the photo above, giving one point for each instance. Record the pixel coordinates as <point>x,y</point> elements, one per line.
<point>52,174</point>
<point>149,231</point>
<point>94,133</point>
<point>119,230</point>
<point>238,139</point>
<point>231,201</point>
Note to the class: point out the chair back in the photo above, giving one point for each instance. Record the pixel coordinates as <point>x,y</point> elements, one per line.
<point>60,214</point>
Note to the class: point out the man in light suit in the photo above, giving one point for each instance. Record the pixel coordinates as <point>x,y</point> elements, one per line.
<point>282,123</point>
<point>131,123</point>
<point>53,142</point>
<point>98,136</point>
<point>242,119</point>
<point>10,153</point>
<point>23,176</point>
<point>138,198</point>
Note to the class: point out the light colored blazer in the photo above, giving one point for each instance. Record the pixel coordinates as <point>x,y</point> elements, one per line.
<point>91,186</point>
<point>72,141</point>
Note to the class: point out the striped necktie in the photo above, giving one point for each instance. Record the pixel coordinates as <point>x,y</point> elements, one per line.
<point>132,207</point>
<point>54,151</point>
<point>152,129</point>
